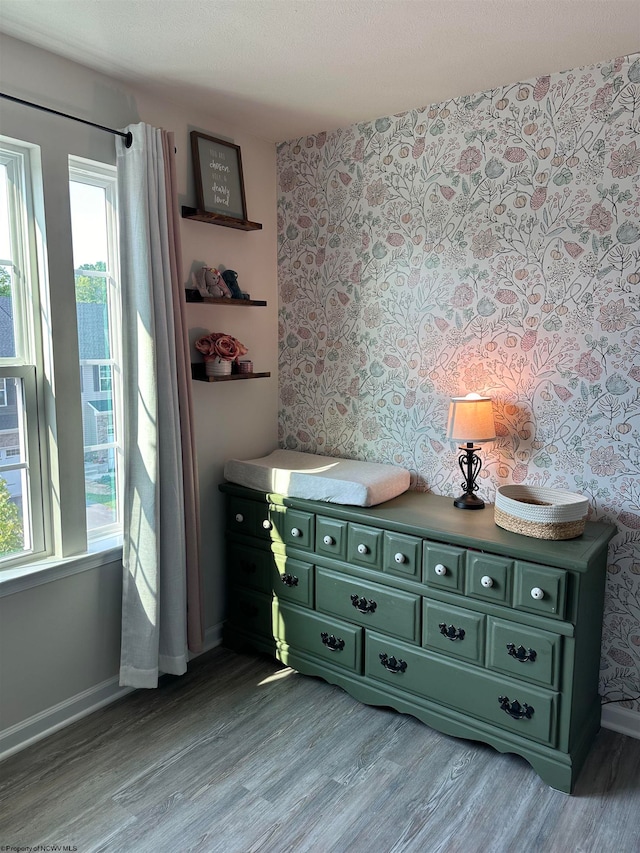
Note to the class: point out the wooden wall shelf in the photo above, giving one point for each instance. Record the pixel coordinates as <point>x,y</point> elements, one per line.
<point>222,300</point>
<point>220,219</point>
<point>198,372</point>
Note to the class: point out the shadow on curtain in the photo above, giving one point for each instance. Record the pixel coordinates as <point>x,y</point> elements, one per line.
<point>162,616</point>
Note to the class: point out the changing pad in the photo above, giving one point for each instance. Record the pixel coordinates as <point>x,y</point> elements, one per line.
<point>319,478</point>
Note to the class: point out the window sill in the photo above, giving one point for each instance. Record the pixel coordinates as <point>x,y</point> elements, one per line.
<point>29,575</point>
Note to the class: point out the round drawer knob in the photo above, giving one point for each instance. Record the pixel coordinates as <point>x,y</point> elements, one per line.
<point>329,540</point>
<point>267,524</point>
<point>239,517</point>
<point>362,549</point>
<point>486,581</point>
<point>295,531</point>
<point>537,593</point>
<point>440,570</point>
<point>400,558</point>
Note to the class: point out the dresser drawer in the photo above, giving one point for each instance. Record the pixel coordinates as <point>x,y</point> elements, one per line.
<point>443,566</point>
<point>523,652</point>
<point>242,516</point>
<point>402,555</point>
<point>249,567</point>
<point>292,527</point>
<point>369,604</point>
<point>540,589</point>
<point>292,580</point>
<point>527,711</point>
<point>489,578</point>
<point>331,537</point>
<point>454,631</point>
<point>331,639</point>
<point>250,611</point>
<point>365,546</point>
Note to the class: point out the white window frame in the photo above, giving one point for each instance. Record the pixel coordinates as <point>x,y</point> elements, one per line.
<point>105,176</point>
<point>25,365</point>
<point>46,362</point>
<point>3,392</point>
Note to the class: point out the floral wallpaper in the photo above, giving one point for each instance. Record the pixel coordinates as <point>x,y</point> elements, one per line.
<point>490,243</point>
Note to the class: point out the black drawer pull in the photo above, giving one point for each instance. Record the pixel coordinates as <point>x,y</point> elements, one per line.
<point>451,633</point>
<point>289,580</point>
<point>334,644</point>
<point>362,605</point>
<point>515,709</point>
<point>393,664</point>
<point>521,654</point>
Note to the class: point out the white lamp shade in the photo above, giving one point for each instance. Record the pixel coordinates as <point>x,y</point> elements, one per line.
<point>471,419</point>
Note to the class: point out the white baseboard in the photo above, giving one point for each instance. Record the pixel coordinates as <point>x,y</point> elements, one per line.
<point>212,638</point>
<point>41,725</point>
<point>51,720</point>
<point>622,720</point>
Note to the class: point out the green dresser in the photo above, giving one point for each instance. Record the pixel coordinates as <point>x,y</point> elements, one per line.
<point>431,610</point>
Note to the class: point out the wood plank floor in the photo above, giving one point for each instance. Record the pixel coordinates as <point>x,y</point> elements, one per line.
<point>242,755</point>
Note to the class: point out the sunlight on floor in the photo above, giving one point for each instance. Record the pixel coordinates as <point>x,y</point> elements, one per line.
<point>277,676</point>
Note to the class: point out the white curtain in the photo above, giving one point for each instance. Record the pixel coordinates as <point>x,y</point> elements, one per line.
<point>154,606</point>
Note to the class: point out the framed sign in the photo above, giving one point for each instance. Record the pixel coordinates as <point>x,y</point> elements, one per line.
<point>217,167</point>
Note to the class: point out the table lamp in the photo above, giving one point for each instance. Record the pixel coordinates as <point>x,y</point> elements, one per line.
<point>470,420</point>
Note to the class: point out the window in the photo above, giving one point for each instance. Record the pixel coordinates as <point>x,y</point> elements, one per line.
<point>60,433</point>
<point>22,516</point>
<point>92,194</point>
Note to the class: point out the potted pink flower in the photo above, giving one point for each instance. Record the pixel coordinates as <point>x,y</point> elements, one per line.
<point>219,351</point>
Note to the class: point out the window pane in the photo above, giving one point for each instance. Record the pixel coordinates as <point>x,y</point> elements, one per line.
<point>7,331</point>
<point>100,487</point>
<point>96,302</point>
<point>15,527</point>
<point>13,497</point>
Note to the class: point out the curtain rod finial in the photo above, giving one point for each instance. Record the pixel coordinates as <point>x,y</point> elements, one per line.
<point>128,140</point>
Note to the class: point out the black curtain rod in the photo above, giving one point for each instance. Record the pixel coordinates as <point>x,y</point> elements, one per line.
<point>128,137</point>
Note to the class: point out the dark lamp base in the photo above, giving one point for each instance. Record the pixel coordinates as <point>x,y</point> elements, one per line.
<point>469,501</point>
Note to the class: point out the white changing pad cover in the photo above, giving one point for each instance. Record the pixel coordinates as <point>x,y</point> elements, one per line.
<point>320,478</point>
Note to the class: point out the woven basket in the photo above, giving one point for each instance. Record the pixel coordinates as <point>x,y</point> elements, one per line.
<point>540,513</point>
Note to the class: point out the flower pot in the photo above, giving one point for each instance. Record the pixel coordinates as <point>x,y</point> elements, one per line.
<point>217,367</point>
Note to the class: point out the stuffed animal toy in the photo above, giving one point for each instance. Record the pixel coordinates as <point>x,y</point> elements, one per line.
<point>230,278</point>
<point>209,282</point>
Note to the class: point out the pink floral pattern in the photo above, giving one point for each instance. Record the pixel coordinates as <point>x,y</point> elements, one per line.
<point>625,161</point>
<point>490,244</point>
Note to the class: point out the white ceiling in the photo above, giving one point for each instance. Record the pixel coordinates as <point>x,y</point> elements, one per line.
<point>284,68</point>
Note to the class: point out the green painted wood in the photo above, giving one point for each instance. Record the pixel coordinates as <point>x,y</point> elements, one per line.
<point>544,666</point>
<point>331,537</point>
<point>443,566</point>
<point>387,609</point>
<point>402,555</point>
<point>364,546</point>
<point>454,687</point>
<point>242,516</point>
<point>497,570</point>
<point>248,566</point>
<point>467,689</point>
<point>329,639</point>
<point>465,631</point>
<point>434,517</point>
<point>298,528</point>
<point>292,580</point>
<point>250,611</point>
<point>550,582</point>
